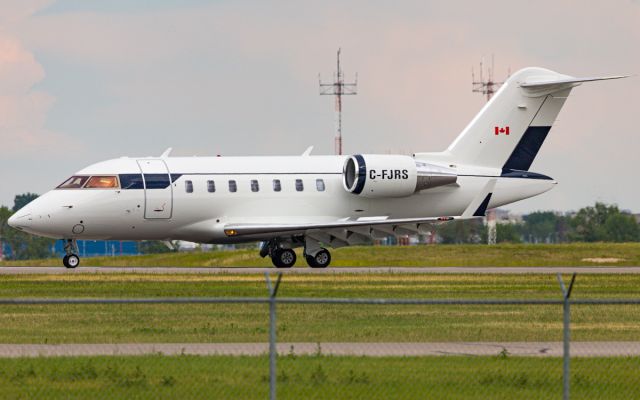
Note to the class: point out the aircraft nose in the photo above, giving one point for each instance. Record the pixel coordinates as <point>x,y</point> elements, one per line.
<point>20,221</point>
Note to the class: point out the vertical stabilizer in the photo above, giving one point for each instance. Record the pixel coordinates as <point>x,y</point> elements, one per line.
<point>510,129</point>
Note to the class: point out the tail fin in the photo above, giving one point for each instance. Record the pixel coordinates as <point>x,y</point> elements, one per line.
<point>510,129</point>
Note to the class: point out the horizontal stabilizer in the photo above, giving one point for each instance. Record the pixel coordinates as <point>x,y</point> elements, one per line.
<point>569,80</point>
<point>538,86</point>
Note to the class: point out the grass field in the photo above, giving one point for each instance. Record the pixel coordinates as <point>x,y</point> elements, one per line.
<point>504,255</point>
<point>312,323</point>
<point>318,377</point>
<point>321,376</point>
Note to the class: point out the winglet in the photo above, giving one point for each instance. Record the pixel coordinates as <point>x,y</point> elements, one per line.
<point>479,204</point>
<point>308,151</point>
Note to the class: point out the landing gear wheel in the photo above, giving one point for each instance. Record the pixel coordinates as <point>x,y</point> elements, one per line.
<point>71,261</point>
<point>322,259</point>
<point>283,258</point>
<point>311,261</point>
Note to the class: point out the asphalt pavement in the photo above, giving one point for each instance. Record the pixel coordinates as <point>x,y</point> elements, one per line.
<point>385,349</point>
<point>9,270</point>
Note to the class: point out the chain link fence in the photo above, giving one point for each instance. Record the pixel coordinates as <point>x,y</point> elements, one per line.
<point>325,348</point>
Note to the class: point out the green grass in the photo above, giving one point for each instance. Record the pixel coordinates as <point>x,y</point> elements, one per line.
<point>504,255</point>
<point>318,377</point>
<point>312,323</point>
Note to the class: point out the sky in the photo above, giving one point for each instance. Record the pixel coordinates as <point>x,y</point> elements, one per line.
<point>87,80</point>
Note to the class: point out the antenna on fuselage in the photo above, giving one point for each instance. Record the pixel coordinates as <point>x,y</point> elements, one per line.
<point>166,153</point>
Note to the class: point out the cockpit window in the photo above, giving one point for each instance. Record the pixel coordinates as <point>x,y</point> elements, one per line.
<point>102,182</point>
<point>75,182</point>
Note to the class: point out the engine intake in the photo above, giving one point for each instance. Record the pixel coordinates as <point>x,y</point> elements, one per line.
<point>392,175</point>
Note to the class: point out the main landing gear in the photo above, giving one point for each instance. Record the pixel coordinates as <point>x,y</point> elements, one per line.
<point>320,260</point>
<point>283,256</point>
<point>71,259</point>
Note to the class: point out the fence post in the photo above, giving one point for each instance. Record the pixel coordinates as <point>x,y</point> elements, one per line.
<point>566,337</point>
<point>273,291</point>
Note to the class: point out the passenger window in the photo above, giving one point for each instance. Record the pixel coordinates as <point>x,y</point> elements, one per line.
<point>299,185</point>
<point>131,181</point>
<point>233,186</point>
<point>156,181</point>
<point>188,186</point>
<point>320,185</point>
<point>276,185</point>
<point>211,186</point>
<point>102,182</point>
<point>74,182</point>
<point>254,185</point>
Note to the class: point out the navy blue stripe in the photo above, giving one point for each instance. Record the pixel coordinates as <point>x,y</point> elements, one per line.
<point>482,210</point>
<point>362,174</point>
<point>525,152</point>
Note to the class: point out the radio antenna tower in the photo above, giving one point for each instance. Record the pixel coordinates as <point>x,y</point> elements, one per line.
<point>338,89</point>
<point>487,87</point>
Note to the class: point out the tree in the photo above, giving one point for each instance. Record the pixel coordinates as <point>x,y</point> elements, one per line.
<point>542,226</point>
<point>22,245</point>
<point>509,233</point>
<point>468,231</point>
<point>622,228</point>
<point>22,200</point>
<point>603,223</point>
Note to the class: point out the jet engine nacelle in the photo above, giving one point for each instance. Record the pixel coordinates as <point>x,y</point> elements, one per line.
<point>392,175</point>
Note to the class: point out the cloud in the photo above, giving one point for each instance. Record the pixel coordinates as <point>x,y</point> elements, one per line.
<point>240,77</point>
<point>23,110</point>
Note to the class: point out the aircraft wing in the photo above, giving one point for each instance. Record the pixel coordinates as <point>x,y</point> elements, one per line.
<point>343,229</point>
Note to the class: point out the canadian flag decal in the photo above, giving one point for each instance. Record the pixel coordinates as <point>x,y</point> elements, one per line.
<point>498,130</point>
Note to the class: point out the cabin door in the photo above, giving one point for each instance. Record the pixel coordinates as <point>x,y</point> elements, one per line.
<point>158,191</point>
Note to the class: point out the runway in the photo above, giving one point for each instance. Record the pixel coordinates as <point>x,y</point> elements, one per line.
<point>331,270</point>
<point>386,349</point>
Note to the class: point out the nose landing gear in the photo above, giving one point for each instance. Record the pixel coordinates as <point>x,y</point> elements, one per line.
<point>71,259</point>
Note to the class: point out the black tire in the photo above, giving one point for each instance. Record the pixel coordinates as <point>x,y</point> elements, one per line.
<point>72,261</point>
<point>283,258</point>
<point>64,261</point>
<point>322,259</point>
<point>311,261</point>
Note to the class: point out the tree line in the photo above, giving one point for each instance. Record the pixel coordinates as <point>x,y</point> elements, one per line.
<point>598,223</point>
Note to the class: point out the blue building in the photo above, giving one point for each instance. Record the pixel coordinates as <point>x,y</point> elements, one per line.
<point>89,248</point>
<point>100,248</point>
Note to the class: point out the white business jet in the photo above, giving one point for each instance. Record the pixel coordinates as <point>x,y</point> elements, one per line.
<point>309,201</point>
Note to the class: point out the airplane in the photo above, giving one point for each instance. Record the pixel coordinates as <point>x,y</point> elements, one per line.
<point>311,201</point>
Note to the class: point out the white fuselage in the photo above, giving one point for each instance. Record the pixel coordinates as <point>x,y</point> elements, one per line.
<point>175,213</point>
